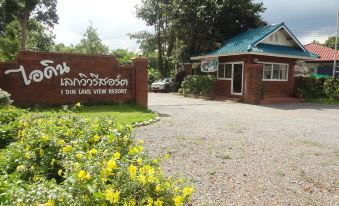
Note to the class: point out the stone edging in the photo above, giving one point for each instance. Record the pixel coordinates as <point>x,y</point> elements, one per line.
<point>146,122</point>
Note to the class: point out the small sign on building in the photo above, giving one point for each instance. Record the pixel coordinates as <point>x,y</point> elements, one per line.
<point>209,65</point>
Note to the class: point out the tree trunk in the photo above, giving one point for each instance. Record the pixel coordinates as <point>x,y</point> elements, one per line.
<point>23,34</point>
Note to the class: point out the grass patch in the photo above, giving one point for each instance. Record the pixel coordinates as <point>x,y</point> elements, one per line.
<point>323,101</point>
<point>280,173</point>
<point>313,144</point>
<point>122,113</point>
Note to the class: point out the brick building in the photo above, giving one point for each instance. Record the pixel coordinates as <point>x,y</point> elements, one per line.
<point>256,66</point>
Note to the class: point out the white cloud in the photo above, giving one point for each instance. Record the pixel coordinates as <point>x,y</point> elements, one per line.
<point>113,19</point>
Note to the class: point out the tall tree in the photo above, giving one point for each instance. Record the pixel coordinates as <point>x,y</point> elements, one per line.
<point>187,27</point>
<point>43,11</point>
<point>39,38</point>
<point>91,43</point>
<point>123,55</point>
<point>330,42</point>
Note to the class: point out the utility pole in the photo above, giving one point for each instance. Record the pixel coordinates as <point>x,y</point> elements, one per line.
<point>336,47</point>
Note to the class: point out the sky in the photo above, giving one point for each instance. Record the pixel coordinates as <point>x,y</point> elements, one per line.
<point>114,19</point>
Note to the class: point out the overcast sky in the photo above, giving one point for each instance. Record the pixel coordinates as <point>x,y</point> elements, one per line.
<point>308,19</point>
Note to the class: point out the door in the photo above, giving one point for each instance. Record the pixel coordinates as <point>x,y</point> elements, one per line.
<point>237,79</point>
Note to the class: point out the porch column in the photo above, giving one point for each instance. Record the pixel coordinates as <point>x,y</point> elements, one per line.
<point>253,83</point>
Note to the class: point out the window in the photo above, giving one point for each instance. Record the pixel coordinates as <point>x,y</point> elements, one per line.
<point>225,71</point>
<point>275,72</point>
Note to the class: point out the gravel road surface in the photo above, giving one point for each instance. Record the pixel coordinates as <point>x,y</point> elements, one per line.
<point>241,154</point>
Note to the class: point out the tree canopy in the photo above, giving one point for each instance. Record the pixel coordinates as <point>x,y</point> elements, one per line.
<point>183,28</point>
<point>330,42</point>
<point>42,11</point>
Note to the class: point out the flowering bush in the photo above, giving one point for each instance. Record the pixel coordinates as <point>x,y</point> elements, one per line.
<point>5,98</point>
<point>65,159</point>
<point>9,124</point>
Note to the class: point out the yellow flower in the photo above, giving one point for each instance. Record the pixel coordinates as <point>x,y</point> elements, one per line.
<point>41,152</point>
<point>131,202</point>
<point>117,155</point>
<point>96,138</point>
<point>67,148</point>
<point>187,191</point>
<point>139,161</point>
<point>49,203</point>
<point>93,151</point>
<point>83,175</point>
<point>79,155</point>
<point>133,150</point>
<point>27,155</point>
<point>178,200</point>
<point>60,172</point>
<point>20,168</point>
<point>167,156</point>
<point>111,165</point>
<point>77,104</point>
<point>158,188</point>
<point>53,161</point>
<point>132,171</point>
<point>158,202</point>
<point>112,197</point>
<point>150,201</point>
<point>45,138</point>
<point>61,142</point>
<point>142,179</point>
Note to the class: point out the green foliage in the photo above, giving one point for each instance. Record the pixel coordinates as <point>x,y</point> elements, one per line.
<point>330,42</point>
<point>331,88</point>
<point>198,84</point>
<point>42,11</point>
<point>91,43</point>
<point>9,124</point>
<point>63,158</point>
<point>310,87</point>
<point>39,38</point>
<point>186,28</point>
<point>123,55</point>
<point>153,75</point>
<point>5,98</point>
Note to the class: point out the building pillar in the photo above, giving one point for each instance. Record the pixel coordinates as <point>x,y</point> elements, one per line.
<point>141,85</point>
<point>253,83</point>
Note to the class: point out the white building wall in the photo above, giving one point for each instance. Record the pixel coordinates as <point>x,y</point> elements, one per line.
<point>277,38</point>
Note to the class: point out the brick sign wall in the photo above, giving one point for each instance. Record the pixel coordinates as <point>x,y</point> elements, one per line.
<point>57,79</point>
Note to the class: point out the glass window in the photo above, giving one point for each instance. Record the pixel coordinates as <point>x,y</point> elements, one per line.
<point>228,70</point>
<point>275,72</point>
<point>267,71</point>
<point>221,71</point>
<point>276,69</point>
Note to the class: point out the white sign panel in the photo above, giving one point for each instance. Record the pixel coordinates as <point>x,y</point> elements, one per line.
<point>209,65</point>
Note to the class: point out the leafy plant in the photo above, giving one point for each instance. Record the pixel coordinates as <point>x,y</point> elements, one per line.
<point>198,84</point>
<point>331,88</point>
<point>9,124</point>
<point>63,158</point>
<point>5,98</point>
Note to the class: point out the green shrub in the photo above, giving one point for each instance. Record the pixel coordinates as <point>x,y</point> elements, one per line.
<point>310,87</point>
<point>153,75</point>
<point>198,84</point>
<point>65,159</point>
<point>9,124</point>
<point>331,88</point>
<point>5,98</point>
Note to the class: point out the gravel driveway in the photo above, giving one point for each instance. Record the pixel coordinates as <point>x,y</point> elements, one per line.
<point>240,154</point>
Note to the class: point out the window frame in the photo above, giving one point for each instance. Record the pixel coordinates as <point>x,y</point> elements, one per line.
<point>224,63</point>
<point>274,63</point>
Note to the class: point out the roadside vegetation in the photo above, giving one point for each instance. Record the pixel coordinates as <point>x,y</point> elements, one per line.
<point>79,156</point>
<point>318,90</point>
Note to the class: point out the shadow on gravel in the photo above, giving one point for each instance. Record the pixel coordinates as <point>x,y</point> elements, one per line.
<point>300,106</point>
<point>163,115</point>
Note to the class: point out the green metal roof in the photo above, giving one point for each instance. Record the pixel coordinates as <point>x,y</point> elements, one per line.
<point>249,42</point>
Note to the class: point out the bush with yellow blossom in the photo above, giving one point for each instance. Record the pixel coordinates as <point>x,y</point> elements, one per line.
<point>65,159</point>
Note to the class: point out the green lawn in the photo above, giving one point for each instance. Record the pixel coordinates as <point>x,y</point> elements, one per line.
<point>123,113</point>
<point>323,101</point>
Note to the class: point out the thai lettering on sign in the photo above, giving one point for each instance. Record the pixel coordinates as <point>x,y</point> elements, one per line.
<point>82,85</point>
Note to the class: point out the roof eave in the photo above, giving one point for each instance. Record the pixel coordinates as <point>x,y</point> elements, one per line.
<point>254,53</point>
